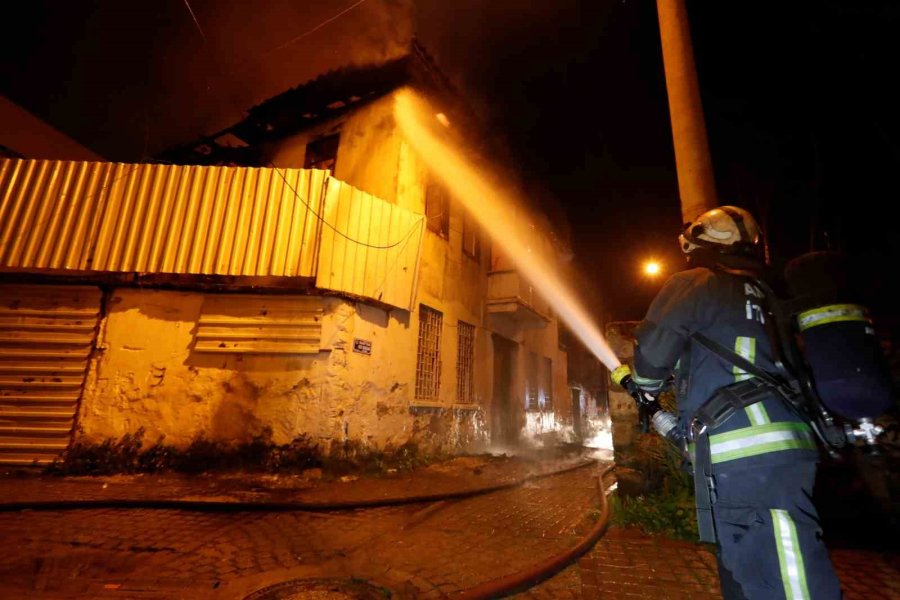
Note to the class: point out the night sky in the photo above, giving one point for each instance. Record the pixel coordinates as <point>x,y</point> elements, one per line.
<point>799,100</point>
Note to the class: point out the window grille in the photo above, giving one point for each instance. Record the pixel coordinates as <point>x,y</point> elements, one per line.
<point>428,360</point>
<point>465,363</point>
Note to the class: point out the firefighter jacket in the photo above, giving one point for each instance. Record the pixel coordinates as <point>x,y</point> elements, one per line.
<point>730,309</point>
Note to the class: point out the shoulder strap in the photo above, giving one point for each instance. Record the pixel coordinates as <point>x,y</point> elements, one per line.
<point>809,410</point>
<point>737,360</point>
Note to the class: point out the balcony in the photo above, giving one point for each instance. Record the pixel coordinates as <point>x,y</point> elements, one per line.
<point>514,302</point>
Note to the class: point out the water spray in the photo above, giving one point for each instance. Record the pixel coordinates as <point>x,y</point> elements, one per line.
<point>494,209</point>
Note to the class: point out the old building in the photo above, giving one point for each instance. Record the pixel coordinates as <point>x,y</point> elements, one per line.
<point>300,271</point>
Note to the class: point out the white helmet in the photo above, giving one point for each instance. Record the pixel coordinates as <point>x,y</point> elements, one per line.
<point>726,229</point>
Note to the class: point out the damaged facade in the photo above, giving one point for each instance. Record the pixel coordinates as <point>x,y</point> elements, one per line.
<point>305,274</point>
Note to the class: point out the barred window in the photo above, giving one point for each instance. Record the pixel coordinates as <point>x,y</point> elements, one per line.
<point>465,362</point>
<point>428,360</point>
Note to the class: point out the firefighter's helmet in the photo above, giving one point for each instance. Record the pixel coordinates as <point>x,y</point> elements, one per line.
<point>726,229</point>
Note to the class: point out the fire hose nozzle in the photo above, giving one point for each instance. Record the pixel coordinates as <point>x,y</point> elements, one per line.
<point>619,375</point>
<point>665,423</point>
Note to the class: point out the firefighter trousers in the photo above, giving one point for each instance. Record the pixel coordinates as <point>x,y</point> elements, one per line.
<point>769,535</point>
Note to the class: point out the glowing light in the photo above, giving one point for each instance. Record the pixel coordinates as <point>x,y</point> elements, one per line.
<point>488,202</point>
<point>442,119</point>
<point>652,268</point>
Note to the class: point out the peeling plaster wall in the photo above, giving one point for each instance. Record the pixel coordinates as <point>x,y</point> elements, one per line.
<point>145,374</point>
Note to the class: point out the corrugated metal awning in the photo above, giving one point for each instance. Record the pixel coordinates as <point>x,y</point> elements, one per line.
<point>148,218</point>
<point>93,217</point>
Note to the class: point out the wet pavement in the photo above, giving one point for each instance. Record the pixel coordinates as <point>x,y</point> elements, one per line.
<point>429,549</point>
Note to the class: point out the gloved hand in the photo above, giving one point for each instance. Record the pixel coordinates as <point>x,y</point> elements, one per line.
<point>644,398</point>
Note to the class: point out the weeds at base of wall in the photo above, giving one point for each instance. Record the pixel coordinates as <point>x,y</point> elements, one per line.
<point>129,455</point>
<point>662,501</point>
<point>669,513</point>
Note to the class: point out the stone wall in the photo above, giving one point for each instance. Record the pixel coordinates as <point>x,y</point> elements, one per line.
<point>623,412</point>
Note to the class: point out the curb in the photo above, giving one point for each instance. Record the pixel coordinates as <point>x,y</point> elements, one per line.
<point>531,576</point>
<point>243,506</point>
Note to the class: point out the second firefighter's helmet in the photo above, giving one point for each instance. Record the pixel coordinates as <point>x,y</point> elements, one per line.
<point>726,229</point>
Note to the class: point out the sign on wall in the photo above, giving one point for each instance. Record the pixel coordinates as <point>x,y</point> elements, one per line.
<point>362,346</point>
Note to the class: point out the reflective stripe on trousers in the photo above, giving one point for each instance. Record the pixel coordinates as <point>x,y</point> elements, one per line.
<point>790,557</point>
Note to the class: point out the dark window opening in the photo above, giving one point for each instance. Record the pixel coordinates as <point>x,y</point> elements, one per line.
<point>546,392</point>
<point>437,209</point>
<point>322,153</point>
<point>471,243</point>
<point>532,378</point>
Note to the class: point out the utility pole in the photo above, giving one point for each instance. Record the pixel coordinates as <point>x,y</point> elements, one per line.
<point>696,180</point>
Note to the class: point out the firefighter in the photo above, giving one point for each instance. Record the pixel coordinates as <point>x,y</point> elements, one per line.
<point>754,457</point>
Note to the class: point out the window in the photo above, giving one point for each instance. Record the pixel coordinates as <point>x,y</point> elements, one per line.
<point>437,209</point>
<point>532,379</point>
<point>465,363</point>
<point>471,245</point>
<point>322,153</point>
<point>428,359</point>
<point>546,393</point>
<point>538,382</point>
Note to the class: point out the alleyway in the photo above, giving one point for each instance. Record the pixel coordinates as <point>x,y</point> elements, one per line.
<point>421,550</point>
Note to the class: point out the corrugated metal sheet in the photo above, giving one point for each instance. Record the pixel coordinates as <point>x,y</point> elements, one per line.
<point>260,325</point>
<point>46,337</point>
<point>149,218</point>
<point>369,248</point>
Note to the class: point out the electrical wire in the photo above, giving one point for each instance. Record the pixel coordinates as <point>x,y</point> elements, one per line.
<point>196,22</point>
<point>335,229</point>
<point>316,28</point>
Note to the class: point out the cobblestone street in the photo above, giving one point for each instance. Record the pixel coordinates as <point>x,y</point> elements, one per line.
<point>421,550</point>
<point>428,550</point>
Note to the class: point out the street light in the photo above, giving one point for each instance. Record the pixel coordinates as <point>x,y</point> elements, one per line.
<point>652,268</point>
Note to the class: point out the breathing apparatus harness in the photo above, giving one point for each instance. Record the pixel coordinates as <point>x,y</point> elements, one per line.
<point>792,384</point>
